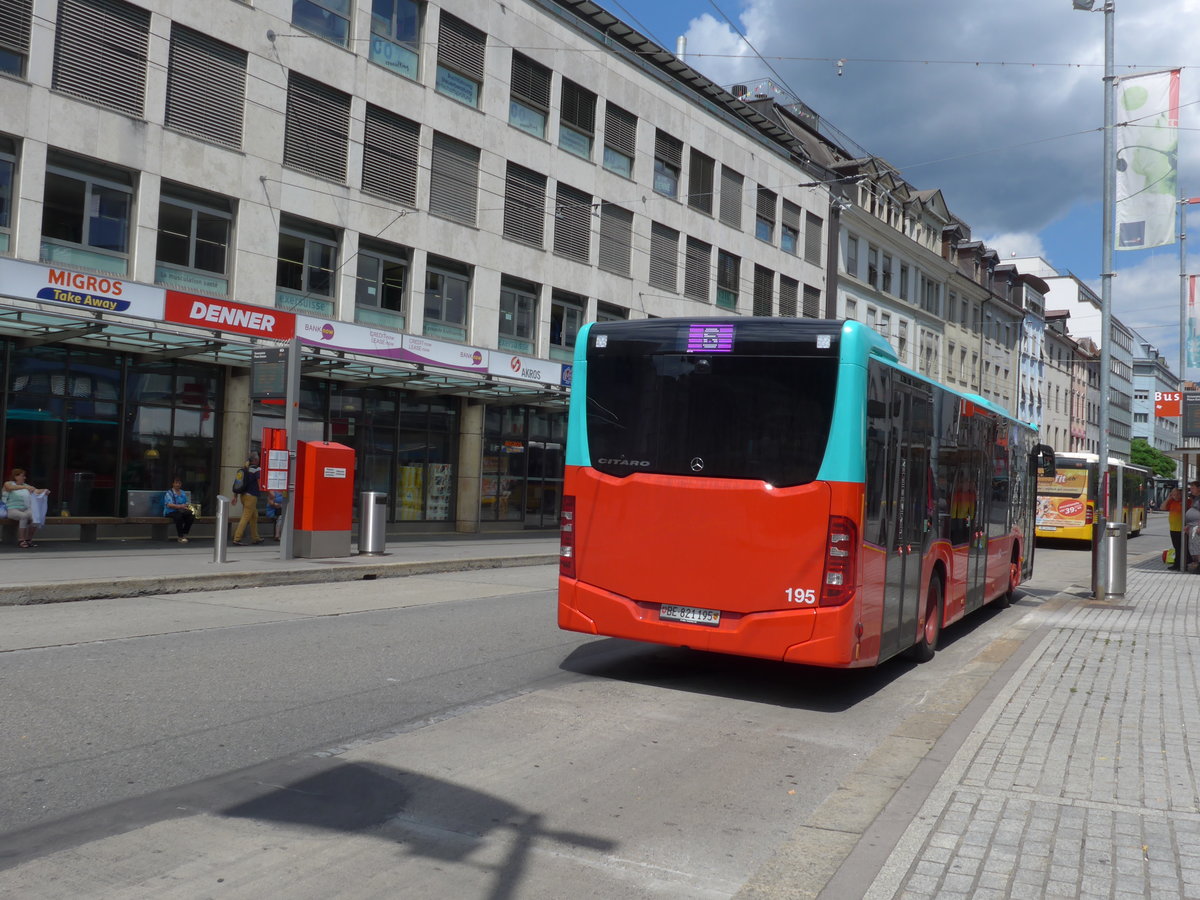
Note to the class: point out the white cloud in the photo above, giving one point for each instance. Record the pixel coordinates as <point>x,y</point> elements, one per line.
<point>1016,243</point>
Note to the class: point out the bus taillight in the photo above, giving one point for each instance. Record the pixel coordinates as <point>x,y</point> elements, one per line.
<point>841,559</point>
<point>566,529</point>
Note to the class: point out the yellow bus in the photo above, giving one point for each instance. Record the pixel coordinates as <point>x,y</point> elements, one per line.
<point>1066,501</point>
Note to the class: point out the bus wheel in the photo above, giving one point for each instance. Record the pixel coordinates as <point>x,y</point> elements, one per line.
<point>931,630</point>
<point>1005,600</point>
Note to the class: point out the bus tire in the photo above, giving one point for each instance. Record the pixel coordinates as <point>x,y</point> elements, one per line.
<point>931,628</point>
<point>1005,600</point>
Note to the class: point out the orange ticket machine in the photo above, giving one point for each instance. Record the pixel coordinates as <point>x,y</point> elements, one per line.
<point>324,508</point>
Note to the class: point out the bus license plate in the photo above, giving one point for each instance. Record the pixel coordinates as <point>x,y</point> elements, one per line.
<point>690,615</point>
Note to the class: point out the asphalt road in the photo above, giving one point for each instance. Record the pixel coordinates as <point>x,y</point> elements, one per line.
<point>452,718</point>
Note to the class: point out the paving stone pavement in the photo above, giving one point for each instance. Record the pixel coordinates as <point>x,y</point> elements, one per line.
<point>1080,779</point>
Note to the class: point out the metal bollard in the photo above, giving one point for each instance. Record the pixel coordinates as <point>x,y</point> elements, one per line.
<point>1115,543</point>
<point>222,536</point>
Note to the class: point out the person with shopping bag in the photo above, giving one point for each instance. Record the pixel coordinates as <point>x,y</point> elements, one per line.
<point>26,504</point>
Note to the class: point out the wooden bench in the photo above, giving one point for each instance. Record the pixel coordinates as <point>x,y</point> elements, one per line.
<point>89,526</point>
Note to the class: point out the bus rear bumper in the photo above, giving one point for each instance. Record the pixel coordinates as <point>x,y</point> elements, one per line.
<point>807,636</point>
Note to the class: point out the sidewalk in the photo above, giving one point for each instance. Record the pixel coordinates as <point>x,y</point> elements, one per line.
<point>57,571</point>
<point>1080,777</point>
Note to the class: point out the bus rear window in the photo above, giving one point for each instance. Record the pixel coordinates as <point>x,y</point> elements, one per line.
<point>717,415</point>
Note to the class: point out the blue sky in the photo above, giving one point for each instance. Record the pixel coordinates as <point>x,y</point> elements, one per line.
<point>999,105</point>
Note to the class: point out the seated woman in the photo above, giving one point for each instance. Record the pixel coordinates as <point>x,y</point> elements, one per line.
<point>175,506</point>
<point>18,498</point>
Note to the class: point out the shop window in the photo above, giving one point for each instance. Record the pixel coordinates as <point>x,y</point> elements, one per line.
<point>380,284</point>
<point>307,263</point>
<point>206,87</point>
<point>668,162</point>
<point>100,53</point>
<point>454,180</point>
<point>577,119</point>
<point>447,293</point>
<point>14,36</point>
<point>518,316</point>
<point>390,147</point>
<point>328,19</point>
<point>194,229</point>
<point>425,459</point>
<point>8,166</point>
<point>317,128</point>
<point>573,223</point>
<point>620,140</point>
<point>566,318</point>
<point>524,205</point>
<point>461,50</point>
<point>396,36</point>
<point>728,269</point>
<point>529,101</point>
<point>697,270</point>
<point>700,182</point>
<point>86,215</point>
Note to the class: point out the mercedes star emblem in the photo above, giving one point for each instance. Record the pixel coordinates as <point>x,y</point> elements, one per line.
<point>697,464</point>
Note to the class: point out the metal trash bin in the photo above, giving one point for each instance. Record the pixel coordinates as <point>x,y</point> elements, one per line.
<point>1115,546</point>
<point>372,523</point>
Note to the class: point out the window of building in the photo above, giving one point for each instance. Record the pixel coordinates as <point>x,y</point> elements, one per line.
<point>764,215</point>
<point>873,266</point>
<point>316,133</point>
<point>885,274</point>
<point>731,197</point>
<point>620,140</point>
<point>852,255</point>
<point>16,19</point>
<point>700,182</point>
<point>789,235</point>
<point>86,214</point>
<point>616,239</point>
<point>518,315</point>
<point>8,166</point>
<point>390,147</point>
<point>814,241</point>
<point>697,269</point>
<point>304,274</point>
<point>852,309</point>
<point>728,279</point>
<point>529,100</point>
<point>664,257</point>
<point>789,296</point>
<point>461,50</point>
<point>447,291</point>
<point>607,312</point>
<point>454,180</point>
<point>573,223</point>
<point>812,302</point>
<point>903,281</point>
<point>194,230</point>
<point>396,36</point>
<point>206,87</point>
<point>902,342</point>
<point>328,19</point>
<point>566,318</point>
<point>668,163</point>
<point>381,281</point>
<point>100,53</point>
<point>764,292</point>
<point>577,119</point>
<point>524,205</point>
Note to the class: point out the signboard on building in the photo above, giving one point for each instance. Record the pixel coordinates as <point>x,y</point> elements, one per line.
<point>78,291</point>
<point>1168,404</point>
<point>268,373</point>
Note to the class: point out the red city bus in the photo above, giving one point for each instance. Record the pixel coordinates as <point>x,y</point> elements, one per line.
<point>783,489</point>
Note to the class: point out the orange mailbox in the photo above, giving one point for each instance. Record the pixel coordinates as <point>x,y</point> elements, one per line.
<point>324,506</point>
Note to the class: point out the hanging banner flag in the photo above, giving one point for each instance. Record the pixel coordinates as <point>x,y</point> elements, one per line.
<point>1147,149</point>
<point>1192,346</point>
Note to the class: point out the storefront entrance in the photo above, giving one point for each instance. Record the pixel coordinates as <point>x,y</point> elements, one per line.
<point>523,466</point>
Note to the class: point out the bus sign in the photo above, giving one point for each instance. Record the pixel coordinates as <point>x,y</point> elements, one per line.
<point>1168,404</point>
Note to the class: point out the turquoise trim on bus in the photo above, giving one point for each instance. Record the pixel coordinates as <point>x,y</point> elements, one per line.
<point>578,453</point>
<point>844,459</point>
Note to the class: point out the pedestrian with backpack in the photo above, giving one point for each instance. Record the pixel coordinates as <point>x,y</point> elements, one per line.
<point>246,490</point>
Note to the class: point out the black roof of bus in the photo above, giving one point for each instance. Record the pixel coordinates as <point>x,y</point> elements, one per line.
<point>723,334</point>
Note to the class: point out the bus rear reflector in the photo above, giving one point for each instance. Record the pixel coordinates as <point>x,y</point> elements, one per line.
<point>841,562</point>
<point>566,541</point>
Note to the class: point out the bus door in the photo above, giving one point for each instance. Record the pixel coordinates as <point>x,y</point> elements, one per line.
<point>910,515</point>
<point>979,476</point>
